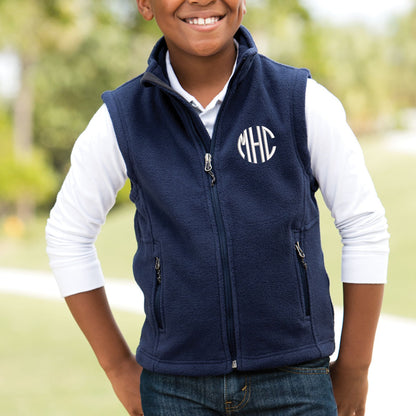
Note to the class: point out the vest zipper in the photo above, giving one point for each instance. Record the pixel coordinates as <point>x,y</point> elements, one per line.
<point>197,127</point>
<point>208,168</point>
<point>224,261</point>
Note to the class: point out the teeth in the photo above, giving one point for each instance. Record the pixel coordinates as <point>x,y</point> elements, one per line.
<point>203,22</point>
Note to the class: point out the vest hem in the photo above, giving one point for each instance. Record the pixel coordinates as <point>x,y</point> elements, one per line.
<point>215,368</point>
<point>183,368</point>
<point>285,358</point>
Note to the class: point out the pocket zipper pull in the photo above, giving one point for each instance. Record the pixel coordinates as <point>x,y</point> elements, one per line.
<point>301,255</point>
<point>158,272</point>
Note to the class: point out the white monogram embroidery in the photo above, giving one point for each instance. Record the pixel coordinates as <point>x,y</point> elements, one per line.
<point>255,146</point>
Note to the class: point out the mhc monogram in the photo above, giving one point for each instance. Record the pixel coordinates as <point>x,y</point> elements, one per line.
<point>254,145</point>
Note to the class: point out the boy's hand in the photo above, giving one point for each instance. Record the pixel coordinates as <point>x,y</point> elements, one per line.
<point>350,389</point>
<point>362,304</point>
<point>125,379</point>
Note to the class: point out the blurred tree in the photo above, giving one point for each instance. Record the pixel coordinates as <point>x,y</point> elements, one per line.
<point>351,61</point>
<point>285,32</point>
<point>31,178</point>
<point>30,28</point>
<point>402,58</point>
<point>69,52</point>
<point>69,84</point>
<point>359,75</point>
<point>72,50</point>
<point>278,26</point>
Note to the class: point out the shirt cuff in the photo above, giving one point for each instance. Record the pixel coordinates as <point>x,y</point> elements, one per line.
<point>73,280</point>
<point>364,267</point>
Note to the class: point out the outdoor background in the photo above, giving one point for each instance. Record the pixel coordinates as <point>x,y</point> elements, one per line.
<point>57,57</point>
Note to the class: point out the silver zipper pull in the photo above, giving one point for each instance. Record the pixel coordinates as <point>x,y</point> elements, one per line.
<point>158,272</point>
<point>208,167</point>
<point>301,254</point>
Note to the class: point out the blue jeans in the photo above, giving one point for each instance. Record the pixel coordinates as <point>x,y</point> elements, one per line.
<point>304,390</point>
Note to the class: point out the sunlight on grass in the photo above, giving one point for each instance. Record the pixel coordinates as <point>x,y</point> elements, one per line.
<point>47,367</point>
<point>393,175</point>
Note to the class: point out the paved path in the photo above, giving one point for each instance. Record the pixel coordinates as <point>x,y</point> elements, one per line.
<point>392,383</point>
<point>403,141</point>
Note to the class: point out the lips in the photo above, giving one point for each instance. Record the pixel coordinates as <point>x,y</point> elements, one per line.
<point>200,21</point>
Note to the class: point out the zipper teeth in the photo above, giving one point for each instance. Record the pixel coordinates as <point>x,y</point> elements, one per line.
<point>301,255</point>
<point>302,259</point>
<point>157,300</point>
<point>208,168</point>
<point>227,277</point>
<point>158,271</point>
<point>224,261</point>
<point>218,220</point>
<point>222,239</point>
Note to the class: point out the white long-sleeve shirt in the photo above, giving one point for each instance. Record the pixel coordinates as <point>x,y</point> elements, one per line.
<point>98,172</point>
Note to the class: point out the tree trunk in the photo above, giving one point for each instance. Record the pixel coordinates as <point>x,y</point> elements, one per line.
<point>23,130</point>
<point>23,113</point>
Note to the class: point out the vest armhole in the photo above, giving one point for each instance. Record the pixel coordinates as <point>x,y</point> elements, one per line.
<point>299,123</point>
<point>111,101</point>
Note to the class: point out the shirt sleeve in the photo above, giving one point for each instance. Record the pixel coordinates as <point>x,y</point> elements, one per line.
<point>347,189</point>
<point>89,191</point>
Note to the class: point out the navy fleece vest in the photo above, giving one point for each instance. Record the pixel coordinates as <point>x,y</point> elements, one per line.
<point>229,256</point>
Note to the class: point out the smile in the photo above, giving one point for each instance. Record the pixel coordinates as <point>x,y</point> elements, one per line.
<point>201,21</point>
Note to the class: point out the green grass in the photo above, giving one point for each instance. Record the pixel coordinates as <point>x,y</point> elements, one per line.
<point>27,252</point>
<point>47,367</point>
<point>394,176</point>
<point>115,244</point>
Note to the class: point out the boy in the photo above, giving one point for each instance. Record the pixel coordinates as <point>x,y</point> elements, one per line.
<point>224,150</point>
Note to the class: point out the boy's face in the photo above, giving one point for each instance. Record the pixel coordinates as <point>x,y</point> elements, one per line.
<point>196,27</point>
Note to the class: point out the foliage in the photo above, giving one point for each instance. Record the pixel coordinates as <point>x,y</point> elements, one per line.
<point>402,59</point>
<point>359,74</point>
<point>31,27</point>
<point>68,86</point>
<point>74,50</point>
<point>70,52</point>
<point>31,178</point>
<point>372,72</point>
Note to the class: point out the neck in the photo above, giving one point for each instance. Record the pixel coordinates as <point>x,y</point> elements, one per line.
<point>204,77</point>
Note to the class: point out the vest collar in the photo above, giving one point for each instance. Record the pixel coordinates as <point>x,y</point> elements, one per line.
<point>156,73</point>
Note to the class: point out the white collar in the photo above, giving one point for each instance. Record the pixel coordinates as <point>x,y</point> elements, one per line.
<point>174,83</point>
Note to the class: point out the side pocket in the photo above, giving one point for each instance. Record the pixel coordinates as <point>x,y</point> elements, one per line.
<point>303,270</point>
<point>158,293</point>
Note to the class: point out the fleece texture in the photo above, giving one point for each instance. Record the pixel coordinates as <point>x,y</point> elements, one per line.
<point>229,256</point>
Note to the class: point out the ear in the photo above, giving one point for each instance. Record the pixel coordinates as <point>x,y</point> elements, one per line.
<point>244,7</point>
<point>145,9</point>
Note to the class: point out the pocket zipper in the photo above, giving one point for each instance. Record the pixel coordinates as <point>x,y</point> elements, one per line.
<point>158,271</point>
<point>301,255</point>
<point>158,311</point>
<point>305,283</point>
